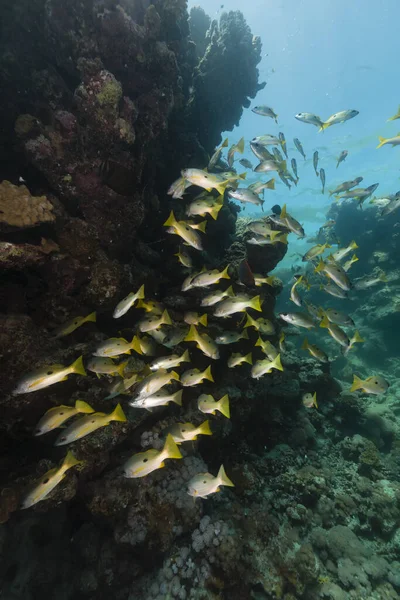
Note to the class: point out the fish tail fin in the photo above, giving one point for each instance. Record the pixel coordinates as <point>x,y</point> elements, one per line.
<point>357,338</point>
<point>83,407</point>
<point>323,127</point>
<point>353,245</point>
<point>248,359</point>
<point>314,398</point>
<point>174,375</point>
<point>170,449</point>
<point>192,335</point>
<point>223,477</point>
<point>259,342</point>
<point>171,221</point>
<point>357,384</point>
<point>118,414</point>
<point>249,321</point>
<point>305,345</point>
<point>240,145</point>
<point>135,345</point>
<point>320,267</point>
<point>70,461</point>
<point>283,212</point>
<point>185,356</point>
<point>230,292</point>
<point>208,375</point>
<point>225,143</point>
<point>243,175</point>
<point>270,185</point>
<point>166,319</point>
<point>222,186</point>
<point>255,303</point>
<point>204,428</point>
<point>203,320</point>
<point>177,397</point>
<point>382,142</point>
<point>77,366</point>
<point>215,210</point>
<point>140,293</point>
<point>324,323</point>
<point>121,367</point>
<point>245,335</point>
<point>225,274</point>
<point>223,406</point>
<point>274,234</point>
<point>91,318</point>
<point>276,363</point>
<point>201,226</point>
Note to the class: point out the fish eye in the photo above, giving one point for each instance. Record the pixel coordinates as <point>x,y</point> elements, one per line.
<point>376,382</point>
<point>204,481</point>
<point>63,439</point>
<point>37,430</point>
<point>45,481</point>
<point>49,372</point>
<point>93,421</point>
<point>145,460</point>
<point>61,413</point>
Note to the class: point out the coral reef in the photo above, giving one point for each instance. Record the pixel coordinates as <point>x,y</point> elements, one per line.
<point>18,208</point>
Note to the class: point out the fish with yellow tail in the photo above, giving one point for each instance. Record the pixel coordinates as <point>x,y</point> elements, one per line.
<point>396,116</point>
<point>368,281</point>
<point>217,296</point>
<point>116,346</point>
<point>46,484</point>
<point>160,398</point>
<point>205,206</point>
<point>127,303</point>
<point>231,337</point>
<point>178,188</point>
<point>193,318</point>
<point>151,306</point>
<point>88,424</point>
<point>310,400</point>
<point>57,415</point>
<point>265,111</point>
<point>207,181</point>
<point>186,432</point>
<point>298,319</point>
<point>154,382</point>
<point>261,325</point>
<point>236,304</point>
<point>315,251</point>
<point>169,362</point>
<point>343,252</point>
<point>309,118</point>
<point>238,147</point>
<point>339,117</point>
<point>291,223</point>
<point>315,351</point>
<point>217,154</point>
<point>144,463</point>
<point>105,366</point>
<point>335,332</point>
<point>375,384</point>
<point>204,342</point>
<point>267,348</point>
<point>187,233</point>
<point>355,339</point>
<point>338,317</point>
<point>393,141</point>
<point>348,264</point>
<point>335,272</point>
<point>204,484</point>
<point>184,257</point>
<point>73,324</point>
<point>263,367</point>
<point>235,360</point>
<point>346,186</point>
<point>207,278</point>
<point>207,405</point>
<point>46,376</point>
<point>153,322</point>
<point>294,293</point>
<point>194,377</point>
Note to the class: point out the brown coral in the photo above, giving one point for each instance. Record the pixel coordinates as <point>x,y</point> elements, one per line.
<point>19,209</point>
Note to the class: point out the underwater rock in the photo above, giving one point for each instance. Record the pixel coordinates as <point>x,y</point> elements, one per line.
<point>199,23</point>
<point>18,208</point>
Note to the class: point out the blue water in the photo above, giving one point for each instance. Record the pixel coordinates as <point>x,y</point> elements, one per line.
<point>324,57</point>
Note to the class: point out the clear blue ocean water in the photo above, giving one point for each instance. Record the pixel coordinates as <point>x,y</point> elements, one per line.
<point>324,57</point>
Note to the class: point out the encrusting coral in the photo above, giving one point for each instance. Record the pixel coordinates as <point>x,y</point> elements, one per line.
<point>18,208</point>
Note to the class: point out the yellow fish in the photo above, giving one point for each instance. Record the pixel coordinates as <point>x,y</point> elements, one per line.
<point>184,257</point>
<point>394,141</point>
<point>73,324</point>
<point>193,318</point>
<point>187,233</point>
<point>206,278</point>
<point>207,405</point>
<point>151,306</point>
<point>217,296</point>
<point>269,350</point>
<point>204,484</point>
<point>237,359</point>
<point>186,432</point>
<point>236,304</point>
<point>116,346</point>
<point>205,180</point>
<point>169,362</point>
<point>127,303</point>
<point>144,463</point>
<point>42,378</point>
<point>88,424</point>
<point>262,325</point>
<point>195,376</point>
<point>154,322</point>
<point>263,367</point>
<point>310,400</point>
<point>154,382</point>
<point>372,385</point>
<point>314,351</point>
<point>160,398</point>
<point>56,416</point>
<point>105,366</point>
<point>42,488</point>
<point>204,342</point>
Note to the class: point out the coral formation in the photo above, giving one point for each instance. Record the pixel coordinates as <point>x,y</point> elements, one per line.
<point>18,208</point>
